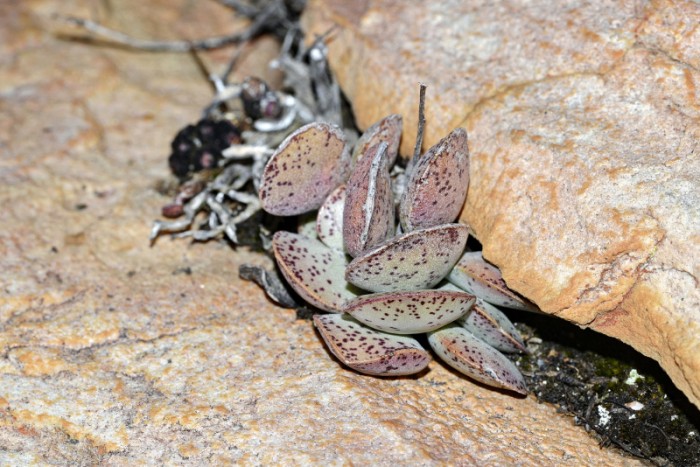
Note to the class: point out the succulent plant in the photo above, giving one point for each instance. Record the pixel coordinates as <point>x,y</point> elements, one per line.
<point>384,277</point>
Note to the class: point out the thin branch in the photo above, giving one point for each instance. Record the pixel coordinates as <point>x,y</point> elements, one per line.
<point>202,67</point>
<point>266,19</point>
<point>119,38</point>
<point>231,64</point>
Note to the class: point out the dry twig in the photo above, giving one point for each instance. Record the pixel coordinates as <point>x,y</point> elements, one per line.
<point>271,17</point>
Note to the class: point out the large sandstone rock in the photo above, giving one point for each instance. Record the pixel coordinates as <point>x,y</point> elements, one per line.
<point>584,128</point>
<point>112,352</point>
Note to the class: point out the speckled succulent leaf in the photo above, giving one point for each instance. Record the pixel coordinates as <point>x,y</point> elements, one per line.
<point>305,168</point>
<point>410,312</point>
<point>438,185</point>
<point>329,222</point>
<point>489,324</point>
<point>414,261</point>
<point>368,215</point>
<point>473,274</point>
<point>307,225</point>
<point>387,130</point>
<point>369,351</point>
<point>476,359</point>
<point>313,270</point>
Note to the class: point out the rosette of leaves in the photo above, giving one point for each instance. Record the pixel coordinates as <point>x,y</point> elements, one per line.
<point>388,265</point>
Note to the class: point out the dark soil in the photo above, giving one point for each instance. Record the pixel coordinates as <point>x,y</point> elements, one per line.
<point>619,396</point>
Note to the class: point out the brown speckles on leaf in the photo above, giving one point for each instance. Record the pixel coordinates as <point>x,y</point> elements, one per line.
<point>476,359</point>
<point>438,185</point>
<point>489,324</point>
<point>306,167</point>
<point>369,351</point>
<point>390,266</point>
<point>410,312</point>
<point>313,270</point>
<point>387,130</point>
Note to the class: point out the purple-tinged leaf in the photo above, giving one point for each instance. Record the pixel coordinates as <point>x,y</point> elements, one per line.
<point>306,167</point>
<point>473,274</point>
<point>476,359</point>
<point>369,351</point>
<point>438,185</point>
<point>489,324</point>
<point>313,270</point>
<point>329,222</point>
<point>410,312</point>
<point>416,260</point>
<point>368,215</point>
<point>387,130</point>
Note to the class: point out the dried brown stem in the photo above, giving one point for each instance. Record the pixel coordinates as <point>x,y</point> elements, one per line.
<point>421,124</point>
<point>419,137</point>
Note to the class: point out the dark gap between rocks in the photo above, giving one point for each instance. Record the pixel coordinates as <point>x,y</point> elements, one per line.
<point>601,382</point>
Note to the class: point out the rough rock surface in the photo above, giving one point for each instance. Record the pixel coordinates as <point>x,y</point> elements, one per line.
<point>584,129</point>
<point>115,353</point>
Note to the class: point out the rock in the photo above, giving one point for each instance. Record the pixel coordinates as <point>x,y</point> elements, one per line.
<point>114,352</point>
<point>584,130</point>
